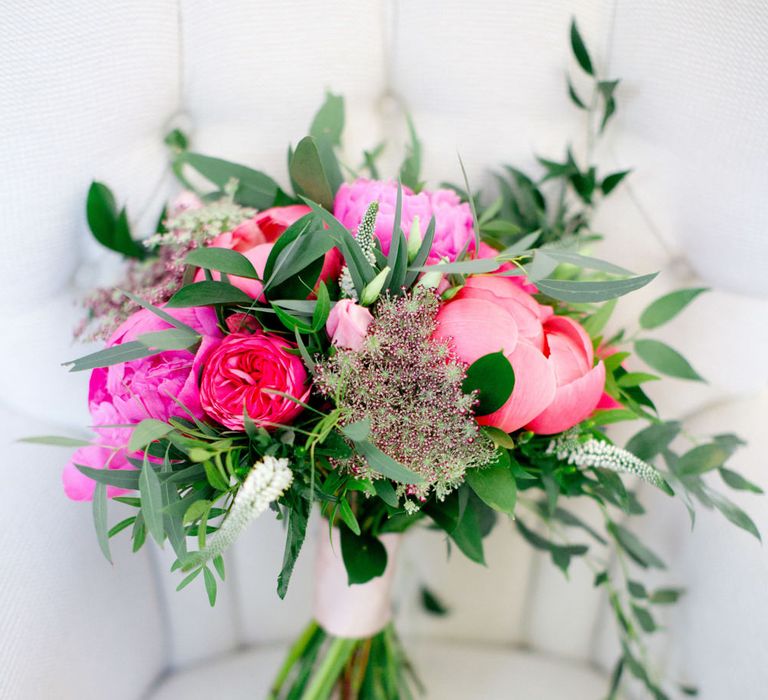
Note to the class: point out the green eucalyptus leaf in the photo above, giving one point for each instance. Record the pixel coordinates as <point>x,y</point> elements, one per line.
<point>667,307</point>
<point>100,519</point>
<point>229,261</point>
<point>171,339</point>
<point>582,261</point>
<point>152,501</point>
<point>665,359</point>
<point>146,432</point>
<point>636,550</point>
<point>307,171</point>
<point>580,50</point>
<point>125,352</point>
<point>575,291</point>
<point>411,166</point>
<point>208,293</point>
<point>653,440</point>
<point>385,465</point>
<point>611,182</point>
<point>255,189</point>
<point>702,459</point>
<point>494,484</point>
<point>55,441</point>
<point>738,482</point>
<point>358,431</point>
<point>122,478</point>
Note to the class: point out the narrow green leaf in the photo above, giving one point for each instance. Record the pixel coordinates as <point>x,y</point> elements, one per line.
<point>631,379</point>
<point>666,360</point>
<point>385,465</point>
<point>358,431</point>
<point>653,440</point>
<point>255,189</point>
<point>386,492</point>
<point>188,579</point>
<point>733,513</point>
<point>122,525</point>
<point>667,307</point>
<point>210,585</point>
<point>738,482</point>
<point>411,166</point>
<point>610,182</point>
<point>574,95</point>
<point>152,501</point>
<point>322,308</point>
<point>125,352</point>
<point>666,596</point>
<point>55,441</point>
<point>495,485</point>
<point>345,511</point>
<point>432,603</point>
<point>636,550</point>
<point>208,293</point>
<point>702,459</point>
<point>574,291</point>
<point>644,617</point>
<point>100,519</point>
<point>121,478</point>
<point>329,120</point>
<point>146,432</point>
<point>171,339</point>
<point>466,267</point>
<point>582,261</point>
<point>222,259</point>
<point>580,50</point>
<point>307,171</point>
<point>196,511</point>
<point>160,313</point>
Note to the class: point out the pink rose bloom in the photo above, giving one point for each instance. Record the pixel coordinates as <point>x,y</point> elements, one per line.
<point>453,219</point>
<point>348,324</point>
<point>556,386</point>
<point>240,369</point>
<point>128,393</point>
<point>255,237</point>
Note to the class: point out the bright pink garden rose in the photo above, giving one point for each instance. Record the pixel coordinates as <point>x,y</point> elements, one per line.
<point>453,219</point>
<point>255,237</point>
<point>556,385</point>
<point>240,369</point>
<point>129,392</point>
<point>348,324</point>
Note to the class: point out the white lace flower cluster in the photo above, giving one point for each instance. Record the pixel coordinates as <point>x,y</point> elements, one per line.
<point>601,454</point>
<point>266,482</point>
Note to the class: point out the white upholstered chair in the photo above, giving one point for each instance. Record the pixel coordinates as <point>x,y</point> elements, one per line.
<point>88,89</point>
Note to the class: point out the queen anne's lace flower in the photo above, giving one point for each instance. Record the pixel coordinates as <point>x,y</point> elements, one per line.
<point>409,386</point>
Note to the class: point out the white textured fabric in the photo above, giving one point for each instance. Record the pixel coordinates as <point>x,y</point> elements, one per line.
<point>88,89</point>
<point>449,671</point>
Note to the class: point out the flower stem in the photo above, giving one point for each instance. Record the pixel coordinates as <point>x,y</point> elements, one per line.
<point>294,654</point>
<point>327,674</point>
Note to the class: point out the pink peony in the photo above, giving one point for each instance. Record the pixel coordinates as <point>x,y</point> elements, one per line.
<point>240,369</point>
<point>79,487</point>
<point>556,385</point>
<point>453,219</point>
<point>255,237</point>
<point>128,393</point>
<point>348,324</point>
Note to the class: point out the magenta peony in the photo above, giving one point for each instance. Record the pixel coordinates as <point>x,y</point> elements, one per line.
<point>79,487</point>
<point>556,384</point>
<point>238,372</point>
<point>453,219</point>
<point>128,393</point>
<point>348,324</point>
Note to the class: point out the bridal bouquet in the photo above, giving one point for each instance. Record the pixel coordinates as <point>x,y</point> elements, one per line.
<point>395,355</point>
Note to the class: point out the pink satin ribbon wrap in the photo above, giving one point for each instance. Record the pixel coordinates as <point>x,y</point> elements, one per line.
<point>357,611</point>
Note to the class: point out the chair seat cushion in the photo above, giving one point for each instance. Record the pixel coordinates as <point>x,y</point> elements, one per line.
<point>449,671</point>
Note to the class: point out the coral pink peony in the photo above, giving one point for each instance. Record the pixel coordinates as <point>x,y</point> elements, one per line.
<point>348,324</point>
<point>556,385</point>
<point>453,219</point>
<point>240,371</point>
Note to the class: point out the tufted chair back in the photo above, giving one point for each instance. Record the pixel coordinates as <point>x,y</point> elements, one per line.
<point>89,89</point>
